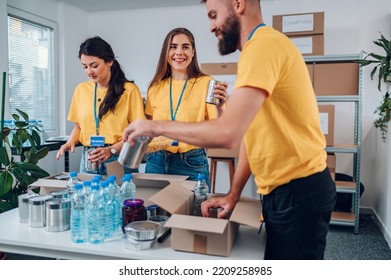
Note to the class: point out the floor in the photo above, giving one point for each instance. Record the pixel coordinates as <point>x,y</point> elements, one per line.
<point>342,243</point>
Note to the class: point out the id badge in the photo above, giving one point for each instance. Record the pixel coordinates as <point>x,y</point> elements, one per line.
<point>97,141</point>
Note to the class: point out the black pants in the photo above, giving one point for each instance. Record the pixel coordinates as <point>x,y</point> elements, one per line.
<point>297,217</point>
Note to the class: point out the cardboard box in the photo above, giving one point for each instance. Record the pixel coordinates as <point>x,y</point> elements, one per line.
<point>203,235</point>
<point>326,113</point>
<point>300,24</point>
<point>309,45</point>
<point>56,182</point>
<point>336,78</point>
<point>189,233</point>
<point>331,163</point>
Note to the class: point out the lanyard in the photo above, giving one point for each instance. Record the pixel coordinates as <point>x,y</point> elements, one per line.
<point>95,115</point>
<point>256,27</point>
<point>173,114</point>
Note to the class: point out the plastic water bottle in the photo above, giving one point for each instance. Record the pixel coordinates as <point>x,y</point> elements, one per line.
<point>200,194</point>
<point>109,208</point>
<point>114,192</point>
<point>72,182</point>
<point>87,188</point>
<point>128,188</point>
<point>79,219</point>
<point>96,216</point>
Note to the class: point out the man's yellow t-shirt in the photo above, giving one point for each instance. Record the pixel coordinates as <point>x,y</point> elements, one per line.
<point>129,108</point>
<point>192,107</point>
<point>284,141</point>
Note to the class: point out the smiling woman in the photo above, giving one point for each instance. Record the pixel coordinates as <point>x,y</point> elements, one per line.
<point>178,92</point>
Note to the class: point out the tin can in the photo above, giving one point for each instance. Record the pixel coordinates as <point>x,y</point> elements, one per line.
<point>214,212</point>
<point>58,213</point>
<point>210,93</point>
<point>89,165</point>
<point>23,206</point>
<point>37,210</point>
<point>131,156</point>
<point>59,194</point>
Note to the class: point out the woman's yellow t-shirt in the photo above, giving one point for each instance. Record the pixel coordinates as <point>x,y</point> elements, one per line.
<point>192,107</point>
<point>129,108</point>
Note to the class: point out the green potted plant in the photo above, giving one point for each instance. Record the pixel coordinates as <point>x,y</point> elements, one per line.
<point>16,176</point>
<point>382,66</point>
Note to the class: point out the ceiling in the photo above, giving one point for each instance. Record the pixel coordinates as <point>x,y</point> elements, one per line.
<point>106,5</point>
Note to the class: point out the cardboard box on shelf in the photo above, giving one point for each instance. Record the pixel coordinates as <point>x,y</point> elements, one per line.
<point>326,113</point>
<point>300,24</point>
<point>336,78</point>
<point>310,44</point>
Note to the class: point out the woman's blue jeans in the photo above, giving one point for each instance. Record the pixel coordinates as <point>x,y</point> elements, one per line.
<point>189,164</point>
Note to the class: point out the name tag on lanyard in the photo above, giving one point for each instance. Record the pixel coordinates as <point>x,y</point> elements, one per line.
<point>97,141</point>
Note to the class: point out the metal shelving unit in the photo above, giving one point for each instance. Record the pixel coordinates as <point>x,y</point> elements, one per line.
<point>354,148</point>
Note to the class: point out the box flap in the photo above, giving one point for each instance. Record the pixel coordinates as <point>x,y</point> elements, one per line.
<point>247,212</point>
<point>49,183</point>
<point>194,223</point>
<point>174,198</point>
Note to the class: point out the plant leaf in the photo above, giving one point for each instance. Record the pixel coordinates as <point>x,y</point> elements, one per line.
<point>4,157</point>
<point>6,182</point>
<point>23,114</point>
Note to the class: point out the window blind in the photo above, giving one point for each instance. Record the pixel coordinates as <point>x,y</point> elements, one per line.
<point>31,70</point>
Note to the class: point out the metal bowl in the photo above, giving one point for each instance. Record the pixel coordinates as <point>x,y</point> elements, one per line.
<point>138,245</point>
<point>142,230</point>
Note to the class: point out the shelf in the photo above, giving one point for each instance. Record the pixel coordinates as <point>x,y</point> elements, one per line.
<point>338,98</point>
<point>342,148</point>
<point>343,218</point>
<point>346,187</point>
<point>332,58</point>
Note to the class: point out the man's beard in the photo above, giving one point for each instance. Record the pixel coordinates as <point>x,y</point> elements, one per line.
<point>230,35</point>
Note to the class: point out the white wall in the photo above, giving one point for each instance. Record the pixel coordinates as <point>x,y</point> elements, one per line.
<point>137,36</point>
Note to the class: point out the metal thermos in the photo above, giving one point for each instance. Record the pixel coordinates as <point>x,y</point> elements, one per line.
<point>58,214</point>
<point>210,93</point>
<point>131,156</point>
<point>37,210</point>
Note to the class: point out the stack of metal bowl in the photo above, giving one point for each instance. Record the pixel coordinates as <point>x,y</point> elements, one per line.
<point>141,235</point>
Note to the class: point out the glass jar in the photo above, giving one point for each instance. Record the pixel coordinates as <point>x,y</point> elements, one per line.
<point>132,210</point>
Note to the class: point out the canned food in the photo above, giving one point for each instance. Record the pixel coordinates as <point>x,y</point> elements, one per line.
<point>214,212</point>
<point>210,98</point>
<point>37,210</point>
<point>89,165</point>
<point>59,194</point>
<point>131,156</point>
<point>58,213</point>
<point>23,203</point>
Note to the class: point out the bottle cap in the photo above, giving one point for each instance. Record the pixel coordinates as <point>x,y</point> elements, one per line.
<point>133,202</point>
<point>78,186</point>
<point>73,174</point>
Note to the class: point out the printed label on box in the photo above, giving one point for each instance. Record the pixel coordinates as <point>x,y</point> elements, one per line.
<point>298,23</point>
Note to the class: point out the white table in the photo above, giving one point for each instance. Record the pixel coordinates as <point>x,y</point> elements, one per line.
<point>19,238</point>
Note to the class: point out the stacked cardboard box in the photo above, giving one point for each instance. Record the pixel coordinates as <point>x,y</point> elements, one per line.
<point>306,30</point>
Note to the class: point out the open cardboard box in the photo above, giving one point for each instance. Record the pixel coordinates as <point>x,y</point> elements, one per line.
<point>203,235</point>
<point>174,194</point>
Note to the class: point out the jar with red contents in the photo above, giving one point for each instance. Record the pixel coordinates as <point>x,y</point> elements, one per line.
<point>132,210</point>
